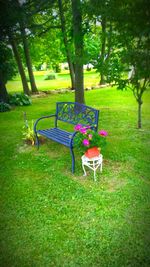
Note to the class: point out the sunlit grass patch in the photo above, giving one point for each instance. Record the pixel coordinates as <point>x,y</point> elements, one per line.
<point>62,81</point>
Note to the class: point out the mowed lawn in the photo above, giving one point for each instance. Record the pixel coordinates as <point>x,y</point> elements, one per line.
<point>62,81</point>
<point>50,217</point>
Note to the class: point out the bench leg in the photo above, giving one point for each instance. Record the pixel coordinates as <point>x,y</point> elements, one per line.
<point>73,160</point>
<point>37,140</point>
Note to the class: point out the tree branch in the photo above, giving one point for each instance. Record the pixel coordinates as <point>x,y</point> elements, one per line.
<point>48,28</point>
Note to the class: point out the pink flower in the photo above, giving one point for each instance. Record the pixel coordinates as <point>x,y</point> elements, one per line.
<point>86,142</point>
<point>103,133</point>
<point>90,136</point>
<point>83,130</point>
<point>78,127</point>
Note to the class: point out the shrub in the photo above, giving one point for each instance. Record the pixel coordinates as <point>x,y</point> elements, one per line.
<point>66,68</point>
<point>58,68</point>
<point>4,107</point>
<point>19,99</point>
<point>51,76</point>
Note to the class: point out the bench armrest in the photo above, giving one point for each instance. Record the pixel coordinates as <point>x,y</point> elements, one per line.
<point>41,118</point>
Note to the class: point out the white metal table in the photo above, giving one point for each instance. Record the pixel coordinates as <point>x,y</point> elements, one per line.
<point>92,163</point>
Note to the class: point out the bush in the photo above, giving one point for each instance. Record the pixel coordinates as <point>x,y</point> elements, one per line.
<point>88,69</point>
<point>4,107</point>
<point>58,68</point>
<point>51,76</point>
<point>66,68</point>
<point>19,99</point>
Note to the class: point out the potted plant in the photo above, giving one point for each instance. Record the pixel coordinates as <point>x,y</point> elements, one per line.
<point>88,141</point>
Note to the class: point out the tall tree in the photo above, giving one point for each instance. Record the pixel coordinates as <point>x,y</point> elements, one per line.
<point>19,64</point>
<point>7,69</point>
<point>24,12</point>
<point>66,43</point>
<point>9,31</point>
<point>137,49</point>
<point>132,53</point>
<point>99,11</point>
<point>78,43</point>
<point>103,50</point>
<point>28,60</point>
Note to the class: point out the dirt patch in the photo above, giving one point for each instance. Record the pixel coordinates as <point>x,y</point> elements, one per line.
<point>115,184</point>
<point>25,148</point>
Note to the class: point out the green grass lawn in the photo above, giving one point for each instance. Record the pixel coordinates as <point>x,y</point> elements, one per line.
<point>50,217</point>
<point>62,81</point>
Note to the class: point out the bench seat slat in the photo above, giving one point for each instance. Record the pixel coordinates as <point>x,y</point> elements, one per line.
<point>57,135</point>
<point>56,132</point>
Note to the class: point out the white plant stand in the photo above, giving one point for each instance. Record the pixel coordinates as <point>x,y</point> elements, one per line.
<point>92,163</point>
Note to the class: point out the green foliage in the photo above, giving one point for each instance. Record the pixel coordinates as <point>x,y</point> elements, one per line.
<point>4,107</point>
<point>66,68</point>
<point>134,40</point>
<point>19,99</point>
<point>7,63</point>
<point>57,68</point>
<point>113,69</point>
<point>129,58</point>
<point>43,49</point>
<point>92,44</point>
<point>28,132</point>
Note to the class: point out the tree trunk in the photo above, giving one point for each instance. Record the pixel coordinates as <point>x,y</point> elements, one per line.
<point>140,114</point>
<point>78,42</point>
<point>28,60</point>
<point>63,28</point>
<point>20,67</point>
<point>109,43</point>
<point>103,49</point>
<point>3,90</point>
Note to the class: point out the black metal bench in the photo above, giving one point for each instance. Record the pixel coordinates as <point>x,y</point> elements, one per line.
<point>72,113</point>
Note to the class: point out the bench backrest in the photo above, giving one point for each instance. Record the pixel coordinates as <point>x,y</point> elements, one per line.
<point>75,113</point>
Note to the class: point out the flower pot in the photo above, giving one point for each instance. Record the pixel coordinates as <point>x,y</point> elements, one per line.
<point>92,152</point>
